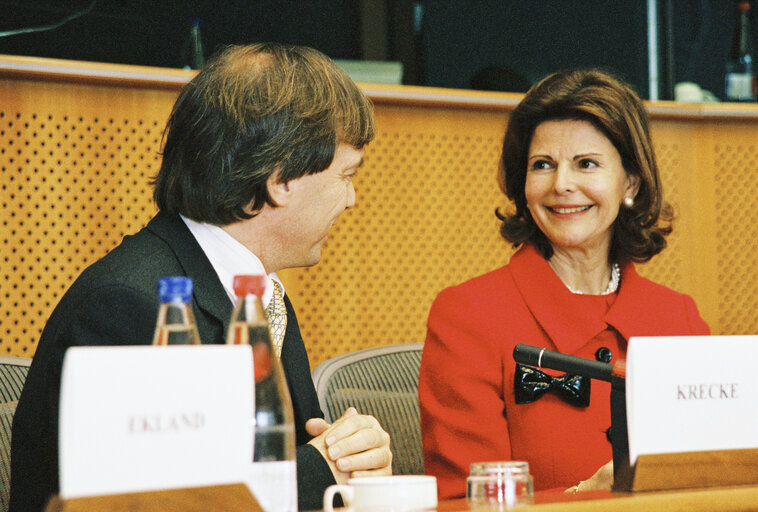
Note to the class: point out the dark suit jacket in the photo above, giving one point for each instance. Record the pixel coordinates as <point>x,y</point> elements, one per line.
<point>114,302</point>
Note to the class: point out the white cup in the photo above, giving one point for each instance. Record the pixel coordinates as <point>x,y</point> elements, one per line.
<point>397,493</point>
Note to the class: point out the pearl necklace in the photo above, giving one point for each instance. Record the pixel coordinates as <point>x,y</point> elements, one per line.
<point>613,284</point>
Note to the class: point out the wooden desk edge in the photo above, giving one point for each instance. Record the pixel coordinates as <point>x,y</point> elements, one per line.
<point>219,498</point>
<point>723,499</point>
<point>39,68</point>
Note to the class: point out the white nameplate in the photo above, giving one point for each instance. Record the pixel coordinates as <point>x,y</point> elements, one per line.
<point>691,393</point>
<point>147,418</point>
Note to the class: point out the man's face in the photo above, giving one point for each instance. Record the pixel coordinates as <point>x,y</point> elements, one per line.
<point>317,201</point>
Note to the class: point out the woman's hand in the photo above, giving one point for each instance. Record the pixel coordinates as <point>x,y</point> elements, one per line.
<point>354,446</point>
<point>601,480</point>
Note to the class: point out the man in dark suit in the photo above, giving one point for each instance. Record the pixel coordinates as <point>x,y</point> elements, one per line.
<point>259,155</point>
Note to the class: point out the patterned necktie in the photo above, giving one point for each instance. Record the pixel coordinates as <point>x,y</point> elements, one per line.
<point>276,313</point>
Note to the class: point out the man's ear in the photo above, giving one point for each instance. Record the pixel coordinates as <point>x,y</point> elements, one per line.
<point>278,191</point>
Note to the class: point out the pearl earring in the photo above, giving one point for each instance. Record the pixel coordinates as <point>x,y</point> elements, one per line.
<point>628,202</point>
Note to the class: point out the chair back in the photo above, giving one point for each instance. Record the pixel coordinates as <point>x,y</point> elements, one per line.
<point>13,372</point>
<point>383,382</point>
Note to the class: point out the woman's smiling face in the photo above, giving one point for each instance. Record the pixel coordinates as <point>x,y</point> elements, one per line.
<point>575,184</point>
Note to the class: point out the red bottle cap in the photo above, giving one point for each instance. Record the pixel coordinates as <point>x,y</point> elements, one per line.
<point>743,6</point>
<point>249,284</point>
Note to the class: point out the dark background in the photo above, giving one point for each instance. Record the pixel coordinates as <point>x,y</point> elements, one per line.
<point>441,43</point>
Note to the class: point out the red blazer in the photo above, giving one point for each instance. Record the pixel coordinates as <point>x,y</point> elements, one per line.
<point>468,410</point>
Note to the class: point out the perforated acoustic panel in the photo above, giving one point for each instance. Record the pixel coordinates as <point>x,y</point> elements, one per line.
<point>76,161</point>
<point>424,219</point>
<point>706,170</point>
<point>75,165</point>
<point>735,168</point>
<point>673,163</point>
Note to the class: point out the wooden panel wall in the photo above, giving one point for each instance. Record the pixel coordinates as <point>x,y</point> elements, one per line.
<point>77,154</point>
<point>424,219</point>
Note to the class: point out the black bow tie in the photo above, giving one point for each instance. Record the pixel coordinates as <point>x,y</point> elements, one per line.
<point>529,384</point>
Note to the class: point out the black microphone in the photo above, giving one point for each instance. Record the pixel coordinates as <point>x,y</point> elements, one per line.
<point>615,374</point>
<point>544,358</point>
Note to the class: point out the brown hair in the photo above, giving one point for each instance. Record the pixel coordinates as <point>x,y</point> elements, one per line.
<point>253,111</point>
<point>614,109</point>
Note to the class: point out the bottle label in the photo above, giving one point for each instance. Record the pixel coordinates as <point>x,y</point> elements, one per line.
<point>274,485</point>
<point>740,86</point>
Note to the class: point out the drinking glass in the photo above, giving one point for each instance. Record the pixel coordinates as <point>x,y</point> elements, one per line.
<point>499,485</point>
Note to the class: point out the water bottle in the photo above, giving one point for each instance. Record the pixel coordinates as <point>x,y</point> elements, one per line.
<point>176,323</point>
<point>272,478</point>
<point>740,68</point>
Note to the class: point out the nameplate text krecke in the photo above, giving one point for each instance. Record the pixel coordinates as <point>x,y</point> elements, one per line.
<point>691,393</point>
<point>147,418</point>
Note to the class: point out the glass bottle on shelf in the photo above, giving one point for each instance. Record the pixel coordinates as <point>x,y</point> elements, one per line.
<point>193,56</point>
<point>272,477</point>
<point>740,67</point>
<point>176,323</point>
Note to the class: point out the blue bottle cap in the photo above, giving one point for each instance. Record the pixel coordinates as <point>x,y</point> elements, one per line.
<point>175,288</point>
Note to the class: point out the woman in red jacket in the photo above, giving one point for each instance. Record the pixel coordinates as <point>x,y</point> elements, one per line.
<point>579,166</point>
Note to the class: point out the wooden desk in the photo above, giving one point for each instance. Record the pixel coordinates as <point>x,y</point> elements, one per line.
<point>218,498</point>
<point>236,498</point>
<point>725,499</point>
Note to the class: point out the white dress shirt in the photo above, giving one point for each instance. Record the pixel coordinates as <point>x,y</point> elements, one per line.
<point>230,258</point>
